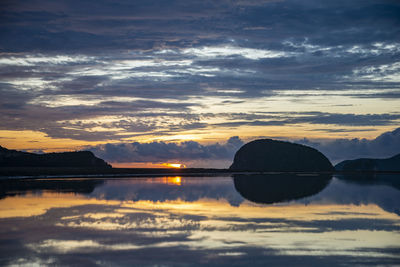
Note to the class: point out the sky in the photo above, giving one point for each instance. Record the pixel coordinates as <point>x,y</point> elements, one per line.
<point>142,83</point>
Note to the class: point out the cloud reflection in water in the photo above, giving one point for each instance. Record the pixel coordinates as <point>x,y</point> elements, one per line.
<point>203,221</point>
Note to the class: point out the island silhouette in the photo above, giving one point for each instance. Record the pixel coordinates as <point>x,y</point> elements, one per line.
<point>269,155</point>
<point>391,164</point>
<point>78,159</point>
<point>263,155</point>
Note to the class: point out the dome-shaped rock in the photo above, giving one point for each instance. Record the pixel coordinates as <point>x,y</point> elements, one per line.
<point>269,155</point>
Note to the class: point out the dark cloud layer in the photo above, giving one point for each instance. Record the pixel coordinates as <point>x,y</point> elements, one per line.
<point>70,25</point>
<point>316,45</point>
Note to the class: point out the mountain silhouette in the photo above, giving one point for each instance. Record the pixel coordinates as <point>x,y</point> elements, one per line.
<point>79,159</point>
<point>272,155</point>
<point>368,164</point>
<point>273,188</point>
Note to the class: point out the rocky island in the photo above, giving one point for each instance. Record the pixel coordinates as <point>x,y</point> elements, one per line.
<point>267,155</point>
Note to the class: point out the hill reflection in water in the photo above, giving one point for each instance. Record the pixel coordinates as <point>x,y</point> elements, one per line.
<point>273,188</point>
<point>370,179</point>
<point>12,187</point>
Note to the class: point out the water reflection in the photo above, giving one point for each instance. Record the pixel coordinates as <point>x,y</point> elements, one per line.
<point>10,187</point>
<point>205,221</point>
<point>170,188</point>
<point>273,188</point>
<point>392,180</point>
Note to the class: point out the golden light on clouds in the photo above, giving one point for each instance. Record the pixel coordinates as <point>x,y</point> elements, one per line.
<point>35,140</point>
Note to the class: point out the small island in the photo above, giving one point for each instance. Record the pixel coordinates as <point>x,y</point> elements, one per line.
<point>267,155</point>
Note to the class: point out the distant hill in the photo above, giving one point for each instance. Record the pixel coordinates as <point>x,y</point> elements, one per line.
<point>269,155</point>
<point>79,159</point>
<point>367,164</point>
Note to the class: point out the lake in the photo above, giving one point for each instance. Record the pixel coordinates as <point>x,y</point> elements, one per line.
<point>292,220</point>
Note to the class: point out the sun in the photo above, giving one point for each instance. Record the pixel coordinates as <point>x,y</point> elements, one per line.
<point>174,165</point>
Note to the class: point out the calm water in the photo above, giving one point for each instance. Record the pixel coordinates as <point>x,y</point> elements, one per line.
<point>170,221</point>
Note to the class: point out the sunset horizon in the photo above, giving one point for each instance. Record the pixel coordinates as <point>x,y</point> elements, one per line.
<point>176,76</point>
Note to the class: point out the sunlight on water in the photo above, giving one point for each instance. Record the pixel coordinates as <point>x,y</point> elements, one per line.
<point>174,180</point>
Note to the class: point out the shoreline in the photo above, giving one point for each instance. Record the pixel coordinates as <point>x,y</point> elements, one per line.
<point>51,173</point>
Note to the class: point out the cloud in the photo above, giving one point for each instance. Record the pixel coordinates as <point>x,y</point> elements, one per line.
<point>209,42</point>
<point>383,146</point>
<point>285,118</point>
<point>160,152</point>
<point>96,116</point>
